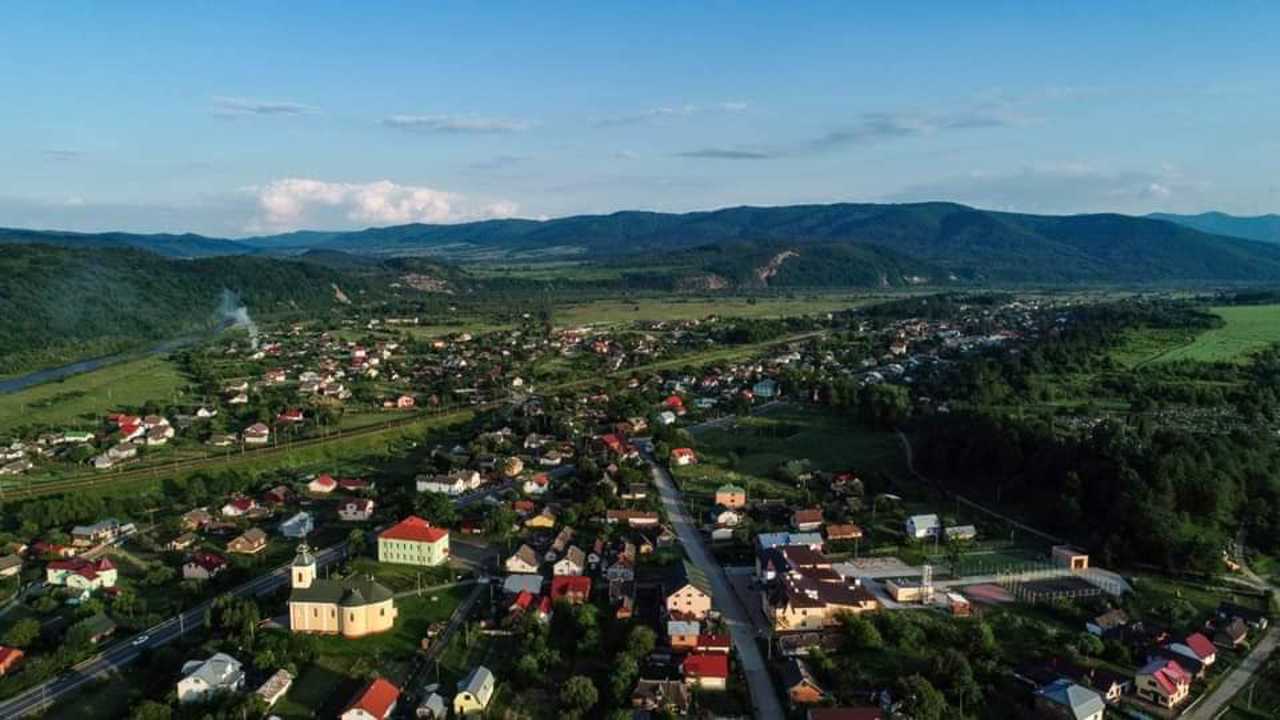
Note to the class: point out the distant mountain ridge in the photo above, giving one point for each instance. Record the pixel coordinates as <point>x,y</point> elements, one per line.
<point>1265,228</point>
<point>852,243</point>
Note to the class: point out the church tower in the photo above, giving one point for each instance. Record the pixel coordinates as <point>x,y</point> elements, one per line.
<point>303,570</point>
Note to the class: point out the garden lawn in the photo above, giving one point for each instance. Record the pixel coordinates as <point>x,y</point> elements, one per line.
<point>81,400</point>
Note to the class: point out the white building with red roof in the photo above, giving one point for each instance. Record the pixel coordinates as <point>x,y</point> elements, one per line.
<point>1164,683</point>
<point>414,541</point>
<point>375,702</point>
<point>81,574</point>
<point>322,484</point>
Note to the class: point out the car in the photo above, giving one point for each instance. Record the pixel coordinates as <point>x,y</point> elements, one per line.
<point>141,640</point>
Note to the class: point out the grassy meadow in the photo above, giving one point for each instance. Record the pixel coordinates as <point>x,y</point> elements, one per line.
<point>696,308</point>
<point>67,402</point>
<point>1248,329</point>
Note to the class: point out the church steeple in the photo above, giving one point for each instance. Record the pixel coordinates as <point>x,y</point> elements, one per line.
<point>303,570</point>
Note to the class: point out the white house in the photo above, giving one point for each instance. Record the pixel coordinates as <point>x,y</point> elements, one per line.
<point>474,693</point>
<point>203,679</point>
<point>923,526</point>
<point>355,509</point>
<point>454,484</point>
<point>571,564</point>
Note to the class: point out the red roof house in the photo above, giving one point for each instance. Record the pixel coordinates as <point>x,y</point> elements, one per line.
<point>574,588</point>
<point>9,657</point>
<point>415,529</point>
<point>376,700</point>
<point>292,415</point>
<point>706,669</point>
<point>1203,648</point>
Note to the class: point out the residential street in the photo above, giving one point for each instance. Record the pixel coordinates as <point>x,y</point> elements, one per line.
<point>1211,705</point>
<point>764,696</point>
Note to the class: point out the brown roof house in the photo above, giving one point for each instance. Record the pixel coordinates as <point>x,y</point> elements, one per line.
<point>250,542</point>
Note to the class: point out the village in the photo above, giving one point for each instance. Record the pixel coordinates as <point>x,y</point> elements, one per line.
<point>619,526</point>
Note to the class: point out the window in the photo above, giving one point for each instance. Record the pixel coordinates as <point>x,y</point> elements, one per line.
<point>315,612</point>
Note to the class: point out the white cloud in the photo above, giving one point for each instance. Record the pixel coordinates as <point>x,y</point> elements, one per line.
<point>291,203</point>
<point>667,112</point>
<point>238,106</point>
<point>454,124</point>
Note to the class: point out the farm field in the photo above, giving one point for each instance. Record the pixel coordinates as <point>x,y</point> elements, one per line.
<point>1248,329</point>
<point>674,308</point>
<point>93,393</point>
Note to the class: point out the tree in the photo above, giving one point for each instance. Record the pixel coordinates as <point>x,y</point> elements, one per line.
<point>22,633</point>
<point>640,641</point>
<point>920,699</point>
<point>356,541</point>
<point>436,507</point>
<point>579,695</point>
<point>150,710</point>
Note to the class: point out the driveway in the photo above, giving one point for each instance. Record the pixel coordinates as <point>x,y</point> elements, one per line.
<point>764,696</point>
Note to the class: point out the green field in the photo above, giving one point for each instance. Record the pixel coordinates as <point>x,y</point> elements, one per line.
<point>1248,329</point>
<point>91,394</point>
<point>674,308</point>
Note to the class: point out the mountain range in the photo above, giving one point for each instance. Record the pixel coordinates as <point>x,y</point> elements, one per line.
<point>847,243</point>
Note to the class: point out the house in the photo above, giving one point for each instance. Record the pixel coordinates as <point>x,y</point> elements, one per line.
<point>544,520</point>
<point>298,526</point>
<point>352,607</point>
<point>354,485</point>
<point>960,533</point>
<point>355,509</point>
<point>9,659</point>
<point>688,592</point>
<point>291,416</point>
<point>666,417</point>
<point>322,484</point>
<point>1203,648</point>
<point>805,593</point>
<point>453,484</point>
<point>196,519</point>
<point>1066,700</point>
<point>474,693</point>
<point>524,560</point>
<point>801,687</point>
<point>766,541</point>
<point>206,679</point>
<point>574,588</point>
<point>376,701</point>
<point>682,635</point>
<point>516,584</point>
<point>807,520</point>
<point>706,671</point>
<point>413,541</point>
<point>573,562</point>
<point>1232,634</point>
<point>433,708</point>
<point>683,456</point>
<point>731,496</point>
<point>923,526</point>
<point>95,534</point>
<point>250,542</point>
<point>99,627</point>
<point>654,696</point>
<point>1163,682</point>
<point>275,687</point>
<point>203,566</point>
<point>843,533</point>
<point>633,518</point>
<point>1254,618</point>
<point>238,507</point>
<point>537,485</point>
<point>82,574</point>
<point>278,495</point>
<point>766,389</point>
<point>1108,624</point>
<point>256,434</point>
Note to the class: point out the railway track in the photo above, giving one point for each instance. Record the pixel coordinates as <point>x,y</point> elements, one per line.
<point>155,472</point>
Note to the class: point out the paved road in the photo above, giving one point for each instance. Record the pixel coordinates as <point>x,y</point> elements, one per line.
<point>121,654</point>
<point>764,696</point>
<point>125,652</point>
<point>1209,707</point>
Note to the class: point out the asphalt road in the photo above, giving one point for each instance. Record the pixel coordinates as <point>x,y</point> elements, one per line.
<point>1209,707</point>
<point>125,652</point>
<point>764,696</point>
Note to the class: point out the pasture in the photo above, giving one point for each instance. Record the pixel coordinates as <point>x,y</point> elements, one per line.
<point>1247,330</point>
<point>76,400</point>
<point>697,308</point>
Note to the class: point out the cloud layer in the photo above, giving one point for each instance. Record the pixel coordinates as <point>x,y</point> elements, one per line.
<point>665,112</point>
<point>291,203</point>
<point>238,106</point>
<point>454,124</point>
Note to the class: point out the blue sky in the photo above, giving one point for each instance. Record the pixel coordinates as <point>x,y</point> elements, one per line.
<point>236,118</point>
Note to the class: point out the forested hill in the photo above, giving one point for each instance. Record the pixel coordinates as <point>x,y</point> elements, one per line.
<point>61,304</point>
<point>930,241</point>
<point>1265,228</point>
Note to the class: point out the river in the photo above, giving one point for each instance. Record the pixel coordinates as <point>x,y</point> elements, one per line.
<point>38,377</point>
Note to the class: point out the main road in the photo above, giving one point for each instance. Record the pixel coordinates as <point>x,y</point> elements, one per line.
<point>40,697</point>
<point>764,696</point>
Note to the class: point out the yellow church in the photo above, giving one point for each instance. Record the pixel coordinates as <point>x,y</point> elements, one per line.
<point>353,607</point>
